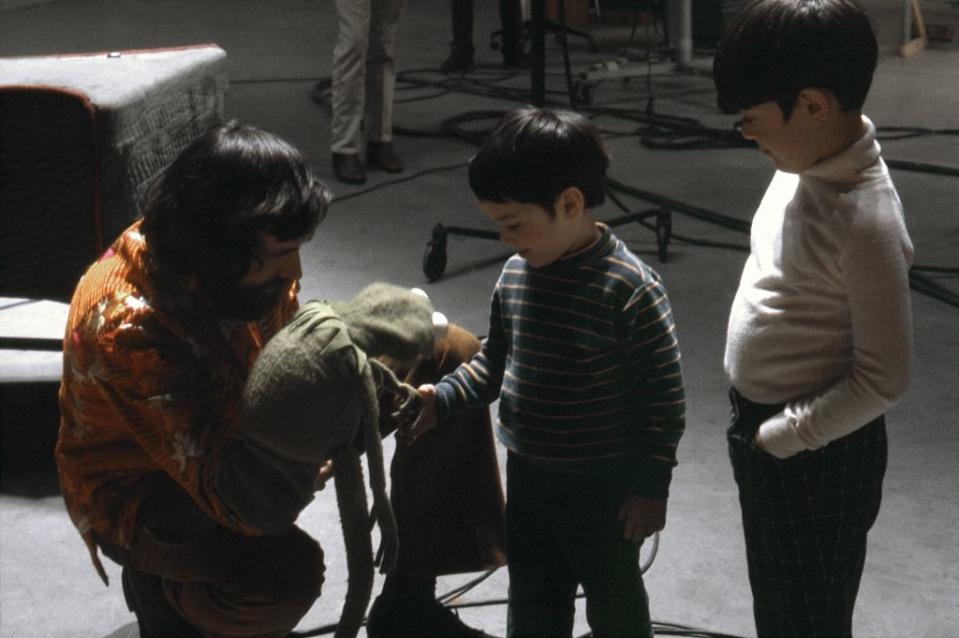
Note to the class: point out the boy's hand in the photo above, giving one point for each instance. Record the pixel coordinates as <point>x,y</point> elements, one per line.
<point>427,418</point>
<point>643,517</point>
<point>323,475</point>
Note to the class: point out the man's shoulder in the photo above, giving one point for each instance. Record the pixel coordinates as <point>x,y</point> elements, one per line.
<point>99,321</point>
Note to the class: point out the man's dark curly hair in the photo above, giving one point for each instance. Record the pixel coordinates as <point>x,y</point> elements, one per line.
<point>203,214</point>
<point>776,48</point>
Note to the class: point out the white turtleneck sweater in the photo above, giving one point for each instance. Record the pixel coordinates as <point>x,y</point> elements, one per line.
<point>822,319</point>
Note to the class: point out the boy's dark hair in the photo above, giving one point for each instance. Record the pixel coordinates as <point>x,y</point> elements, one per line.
<point>776,48</point>
<point>203,214</point>
<point>534,154</point>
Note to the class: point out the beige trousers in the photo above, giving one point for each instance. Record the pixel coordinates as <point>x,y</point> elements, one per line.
<point>364,73</point>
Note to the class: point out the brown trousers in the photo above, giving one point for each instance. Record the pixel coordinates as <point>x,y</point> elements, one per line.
<point>446,494</point>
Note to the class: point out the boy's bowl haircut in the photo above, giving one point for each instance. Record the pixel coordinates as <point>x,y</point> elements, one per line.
<point>534,154</point>
<point>776,48</point>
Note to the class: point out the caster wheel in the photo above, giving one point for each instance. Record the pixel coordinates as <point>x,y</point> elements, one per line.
<point>434,261</point>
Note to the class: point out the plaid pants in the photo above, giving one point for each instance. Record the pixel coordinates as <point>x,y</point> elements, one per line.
<point>805,521</point>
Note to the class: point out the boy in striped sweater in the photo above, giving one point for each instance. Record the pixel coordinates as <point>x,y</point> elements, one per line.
<point>583,357</point>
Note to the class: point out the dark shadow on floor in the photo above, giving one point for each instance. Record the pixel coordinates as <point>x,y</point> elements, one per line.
<point>29,421</point>
<point>27,483</point>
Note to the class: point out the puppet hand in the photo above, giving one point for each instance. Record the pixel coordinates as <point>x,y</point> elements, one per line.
<point>324,474</point>
<point>426,421</point>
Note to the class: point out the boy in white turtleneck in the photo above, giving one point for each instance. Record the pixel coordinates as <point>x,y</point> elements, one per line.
<point>819,340</point>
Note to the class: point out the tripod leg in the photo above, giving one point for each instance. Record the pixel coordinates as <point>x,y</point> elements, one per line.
<point>434,259</point>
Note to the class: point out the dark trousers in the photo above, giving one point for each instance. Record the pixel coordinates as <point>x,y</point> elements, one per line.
<point>511,21</point>
<point>185,576</point>
<point>449,509</point>
<point>805,521</point>
<point>563,530</point>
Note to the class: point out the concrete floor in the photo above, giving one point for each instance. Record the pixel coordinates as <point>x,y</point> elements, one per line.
<point>277,50</point>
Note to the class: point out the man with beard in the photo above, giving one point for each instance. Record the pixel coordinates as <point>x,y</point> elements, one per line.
<point>162,332</point>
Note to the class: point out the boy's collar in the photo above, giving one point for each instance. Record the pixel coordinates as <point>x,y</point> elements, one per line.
<point>848,164</point>
<point>592,251</point>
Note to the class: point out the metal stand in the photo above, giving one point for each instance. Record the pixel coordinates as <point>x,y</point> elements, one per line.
<point>434,259</point>
<point>678,25</point>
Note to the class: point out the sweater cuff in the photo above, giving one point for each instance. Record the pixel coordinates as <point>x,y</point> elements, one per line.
<point>650,480</point>
<point>779,437</point>
<point>445,401</point>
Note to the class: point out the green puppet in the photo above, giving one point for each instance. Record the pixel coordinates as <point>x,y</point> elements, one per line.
<point>315,386</point>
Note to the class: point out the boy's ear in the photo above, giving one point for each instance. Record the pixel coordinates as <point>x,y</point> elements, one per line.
<point>815,103</point>
<point>571,202</point>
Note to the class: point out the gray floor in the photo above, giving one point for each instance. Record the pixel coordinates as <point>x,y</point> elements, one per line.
<point>276,50</point>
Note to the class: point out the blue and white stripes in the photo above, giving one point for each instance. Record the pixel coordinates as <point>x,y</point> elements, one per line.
<point>584,358</point>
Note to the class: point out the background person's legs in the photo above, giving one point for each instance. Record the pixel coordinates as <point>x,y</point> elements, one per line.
<point>511,18</point>
<point>349,74</point>
<point>349,89</point>
<point>461,48</point>
<point>381,69</point>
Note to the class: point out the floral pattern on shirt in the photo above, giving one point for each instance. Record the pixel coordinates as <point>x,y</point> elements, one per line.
<point>148,396</point>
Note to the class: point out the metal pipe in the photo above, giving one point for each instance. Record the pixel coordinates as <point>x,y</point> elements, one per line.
<point>680,15</point>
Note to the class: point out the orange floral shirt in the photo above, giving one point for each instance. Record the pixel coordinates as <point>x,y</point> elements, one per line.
<point>147,396</point>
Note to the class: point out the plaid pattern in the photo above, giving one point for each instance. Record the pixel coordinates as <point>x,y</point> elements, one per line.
<point>805,521</point>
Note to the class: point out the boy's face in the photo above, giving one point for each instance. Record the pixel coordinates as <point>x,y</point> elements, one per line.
<point>538,237</point>
<point>792,144</point>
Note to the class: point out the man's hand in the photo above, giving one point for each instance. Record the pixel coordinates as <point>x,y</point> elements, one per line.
<point>643,517</point>
<point>426,421</point>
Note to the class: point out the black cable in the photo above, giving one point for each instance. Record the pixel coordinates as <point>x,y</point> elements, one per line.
<point>922,283</point>
<point>405,178</point>
<point>904,132</point>
<point>658,132</point>
<point>939,269</point>
<point>922,167</point>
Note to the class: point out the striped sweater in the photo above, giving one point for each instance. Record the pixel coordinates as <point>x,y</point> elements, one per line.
<point>584,359</point>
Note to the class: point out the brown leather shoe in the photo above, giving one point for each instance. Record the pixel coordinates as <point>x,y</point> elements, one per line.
<point>383,156</point>
<point>348,168</point>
